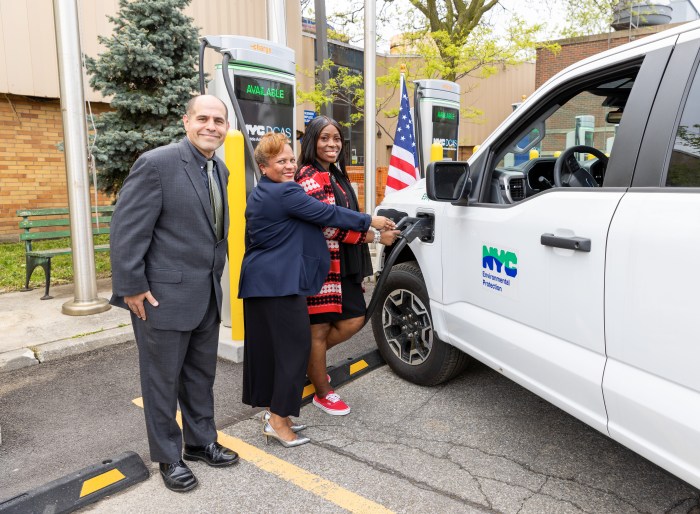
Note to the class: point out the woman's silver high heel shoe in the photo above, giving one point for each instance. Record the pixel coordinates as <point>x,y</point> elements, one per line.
<point>295,428</point>
<point>268,432</point>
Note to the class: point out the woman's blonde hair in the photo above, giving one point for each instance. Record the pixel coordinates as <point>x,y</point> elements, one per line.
<point>270,145</point>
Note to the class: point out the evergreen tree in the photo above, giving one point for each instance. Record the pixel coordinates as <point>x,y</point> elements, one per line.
<point>150,70</point>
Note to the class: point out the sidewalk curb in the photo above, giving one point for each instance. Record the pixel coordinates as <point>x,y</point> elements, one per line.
<point>16,359</point>
<point>29,356</point>
<point>80,344</point>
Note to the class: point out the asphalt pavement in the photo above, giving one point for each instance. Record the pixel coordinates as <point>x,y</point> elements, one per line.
<point>479,443</point>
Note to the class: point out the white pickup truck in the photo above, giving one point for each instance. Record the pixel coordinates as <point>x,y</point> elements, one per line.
<point>570,269</point>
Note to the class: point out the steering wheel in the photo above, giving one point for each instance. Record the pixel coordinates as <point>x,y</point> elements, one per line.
<point>574,175</point>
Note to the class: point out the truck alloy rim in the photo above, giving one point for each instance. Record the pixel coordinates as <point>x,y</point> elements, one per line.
<point>407,326</point>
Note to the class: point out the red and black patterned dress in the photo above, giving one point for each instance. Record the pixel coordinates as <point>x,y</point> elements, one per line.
<point>341,296</point>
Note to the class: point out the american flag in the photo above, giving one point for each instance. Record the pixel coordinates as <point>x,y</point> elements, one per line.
<point>403,165</point>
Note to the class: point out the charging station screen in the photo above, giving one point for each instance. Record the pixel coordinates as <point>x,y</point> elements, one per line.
<point>445,130</point>
<point>266,105</point>
<point>445,115</point>
<point>263,91</point>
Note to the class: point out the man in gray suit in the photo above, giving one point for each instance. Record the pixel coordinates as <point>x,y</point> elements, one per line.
<point>168,247</point>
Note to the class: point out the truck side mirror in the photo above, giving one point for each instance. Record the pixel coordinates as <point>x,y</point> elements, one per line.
<point>448,181</point>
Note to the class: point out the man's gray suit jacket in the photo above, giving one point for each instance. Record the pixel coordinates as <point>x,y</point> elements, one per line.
<point>163,238</point>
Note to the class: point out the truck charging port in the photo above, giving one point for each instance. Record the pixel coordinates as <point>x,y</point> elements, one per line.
<point>426,226</point>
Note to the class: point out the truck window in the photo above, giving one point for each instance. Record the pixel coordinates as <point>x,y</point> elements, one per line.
<point>684,167</point>
<point>588,116</point>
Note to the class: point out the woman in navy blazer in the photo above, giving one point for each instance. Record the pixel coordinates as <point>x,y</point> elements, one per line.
<point>286,259</point>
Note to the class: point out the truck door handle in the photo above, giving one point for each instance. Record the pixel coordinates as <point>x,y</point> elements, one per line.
<point>580,244</point>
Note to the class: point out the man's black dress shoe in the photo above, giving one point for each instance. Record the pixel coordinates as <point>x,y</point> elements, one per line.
<point>177,476</point>
<point>213,454</point>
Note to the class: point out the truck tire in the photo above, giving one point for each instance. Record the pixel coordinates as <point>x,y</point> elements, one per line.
<point>403,329</point>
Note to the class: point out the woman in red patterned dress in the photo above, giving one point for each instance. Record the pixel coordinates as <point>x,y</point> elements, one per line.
<point>338,311</point>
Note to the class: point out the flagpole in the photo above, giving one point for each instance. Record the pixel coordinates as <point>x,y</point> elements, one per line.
<point>370,105</point>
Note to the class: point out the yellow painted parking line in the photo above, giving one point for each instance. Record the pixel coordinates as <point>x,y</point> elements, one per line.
<point>139,402</point>
<point>287,471</point>
<point>358,366</point>
<point>101,481</point>
<point>315,484</point>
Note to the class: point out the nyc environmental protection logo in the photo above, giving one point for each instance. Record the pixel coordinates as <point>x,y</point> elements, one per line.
<point>499,269</point>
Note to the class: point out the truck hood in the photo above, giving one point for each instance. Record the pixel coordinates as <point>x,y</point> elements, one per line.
<point>407,199</point>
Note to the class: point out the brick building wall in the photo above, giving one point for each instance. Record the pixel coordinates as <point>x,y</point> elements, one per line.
<point>575,49</point>
<point>572,51</point>
<point>563,122</point>
<point>357,176</point>
<point>32,167</point>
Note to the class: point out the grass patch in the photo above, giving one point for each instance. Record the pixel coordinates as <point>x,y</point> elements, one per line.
<point>77,336</point>
<point>13,264</point>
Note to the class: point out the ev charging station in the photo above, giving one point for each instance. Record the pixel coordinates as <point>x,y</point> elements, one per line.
<point>264,83</point>
<point>259,89</point>
<point>257,81</point>
<point>436,112</point>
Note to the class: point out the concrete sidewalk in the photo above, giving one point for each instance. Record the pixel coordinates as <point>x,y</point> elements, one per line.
<point>33,331</point>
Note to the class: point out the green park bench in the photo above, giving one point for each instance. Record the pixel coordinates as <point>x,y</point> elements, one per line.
<point>43,224</point>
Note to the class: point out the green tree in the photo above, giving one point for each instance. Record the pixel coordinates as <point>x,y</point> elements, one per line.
<point>149,70</point>
<point>453,39</point>
<point>457,39</point>
<point>346,87</point>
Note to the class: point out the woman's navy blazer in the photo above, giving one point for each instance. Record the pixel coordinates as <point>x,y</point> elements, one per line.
<point>287,253</point>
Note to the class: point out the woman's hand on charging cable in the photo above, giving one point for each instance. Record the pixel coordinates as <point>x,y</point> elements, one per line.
<point>388,237</point>
<point>382,223</point>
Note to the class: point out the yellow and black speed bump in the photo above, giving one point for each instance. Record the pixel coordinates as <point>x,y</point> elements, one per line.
<point>346,371</point>
<point>80,488</point>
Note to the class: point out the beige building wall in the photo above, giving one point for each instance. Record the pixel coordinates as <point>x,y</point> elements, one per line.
<point>32,169</point>
<point>32,166</point>
<point>28,63</point>
<point>492,96</point>
<point>306,66</point>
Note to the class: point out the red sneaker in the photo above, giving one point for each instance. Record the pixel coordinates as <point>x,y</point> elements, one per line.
<point>332,404</point>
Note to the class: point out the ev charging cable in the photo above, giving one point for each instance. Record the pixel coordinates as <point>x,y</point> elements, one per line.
<point>411,228</point>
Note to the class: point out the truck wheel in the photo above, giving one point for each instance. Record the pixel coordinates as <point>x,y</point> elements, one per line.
<point>403,329</point>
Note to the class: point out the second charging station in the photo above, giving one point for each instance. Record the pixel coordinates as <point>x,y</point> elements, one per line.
<point>436,108</point>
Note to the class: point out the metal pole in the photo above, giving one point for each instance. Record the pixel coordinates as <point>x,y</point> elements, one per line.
<point>322,48</point>
<point>276,22</point>
<point>370,102</point>
<point>70,73</point>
